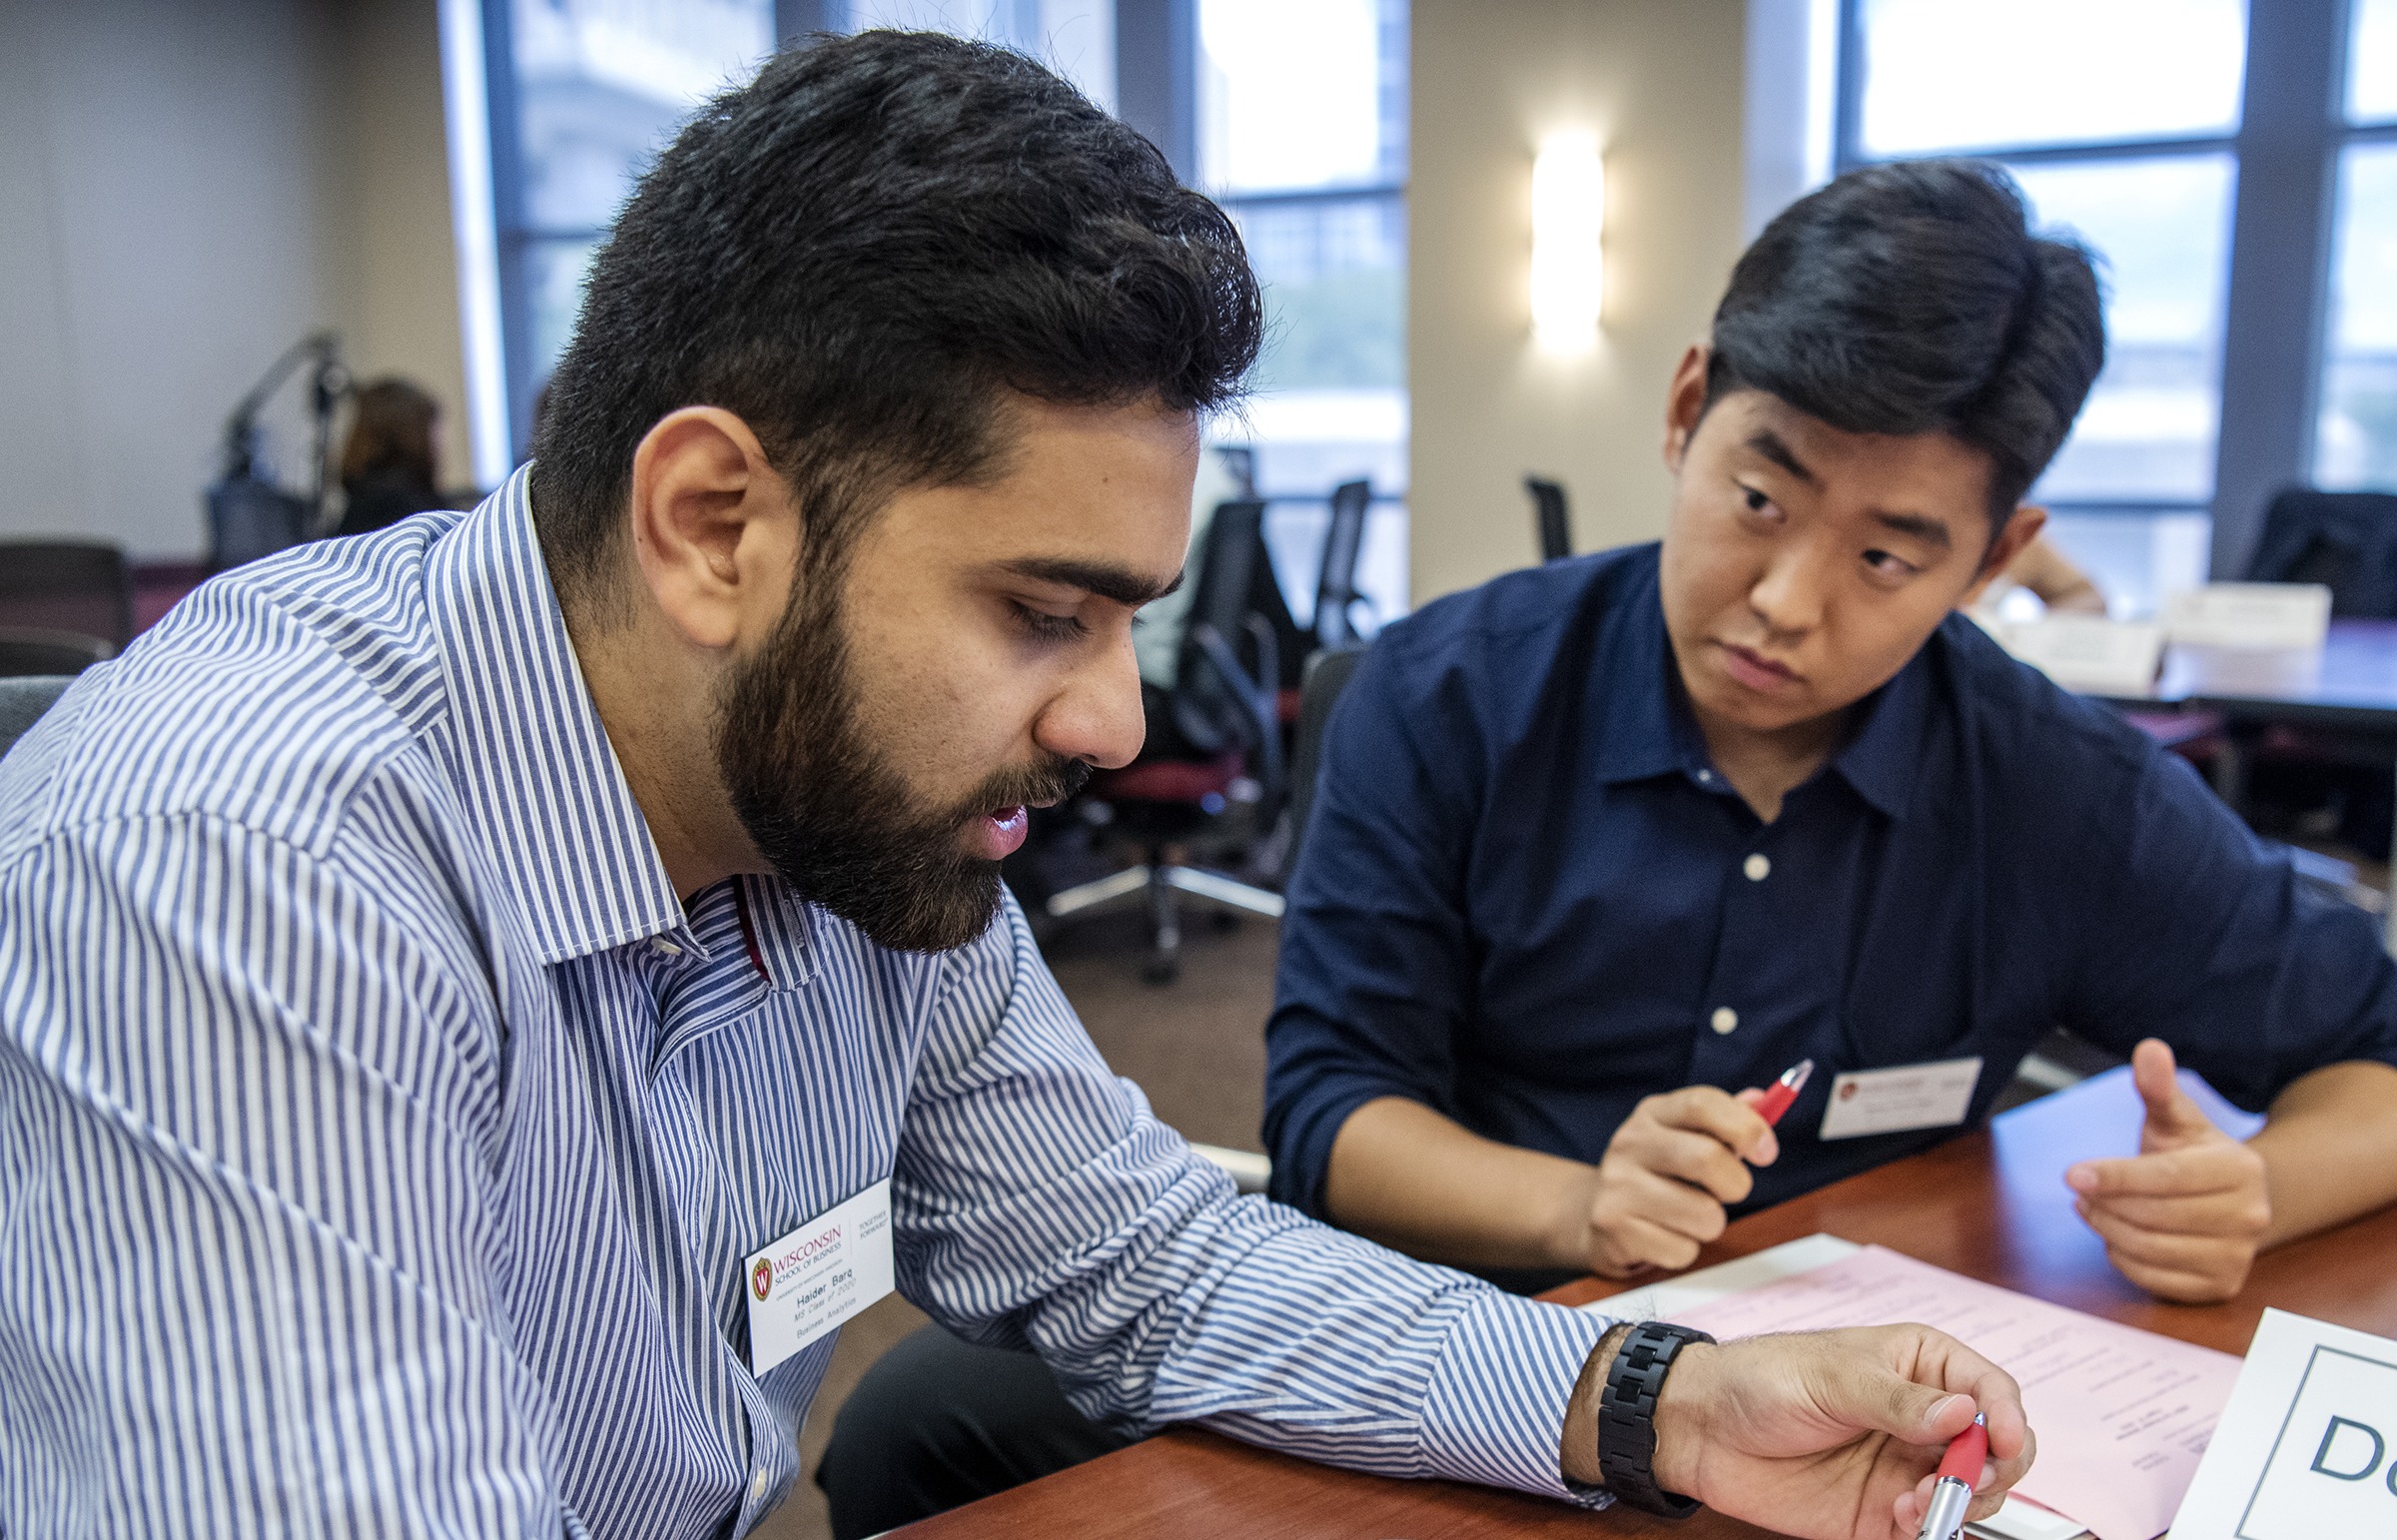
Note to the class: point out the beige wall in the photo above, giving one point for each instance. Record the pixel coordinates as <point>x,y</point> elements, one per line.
<point>187,189</point>
<point>1661,82</point>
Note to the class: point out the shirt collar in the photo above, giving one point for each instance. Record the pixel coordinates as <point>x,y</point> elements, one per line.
<point>1881,757</point>
<point>1646,728</point>
<point>538,778</point>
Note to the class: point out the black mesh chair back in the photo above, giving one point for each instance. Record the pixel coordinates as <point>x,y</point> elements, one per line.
<point>1335,586</point>
<point>1328,673</point>
<point>67,585</point>
<point>22,702</point>
<point>1548,514</point>
<point>31,650</point>
<point>1206,710</point>
<point>2347,541</point>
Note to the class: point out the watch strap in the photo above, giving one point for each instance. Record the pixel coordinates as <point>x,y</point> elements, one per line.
<point>1627,1416</point>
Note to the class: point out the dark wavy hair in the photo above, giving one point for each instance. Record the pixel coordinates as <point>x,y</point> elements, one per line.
<point>860,254</point>
<point>1914,298</point>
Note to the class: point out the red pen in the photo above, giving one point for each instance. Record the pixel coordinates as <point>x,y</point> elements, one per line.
<point>1785,1091</point>
<point>1952,1492</point>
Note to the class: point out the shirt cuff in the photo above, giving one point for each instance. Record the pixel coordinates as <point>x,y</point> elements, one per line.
<point>1495,1413</point>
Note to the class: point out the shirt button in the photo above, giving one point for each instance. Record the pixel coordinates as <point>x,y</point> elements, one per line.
<point>666,947</point>
<point>757,1487</point>
<point>1725,1020</point>
<point>1757,867</point>
<point>1706,777</point>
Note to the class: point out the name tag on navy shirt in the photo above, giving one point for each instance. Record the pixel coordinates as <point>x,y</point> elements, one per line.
<point>818,1276</point>
<point>1900,1099</point>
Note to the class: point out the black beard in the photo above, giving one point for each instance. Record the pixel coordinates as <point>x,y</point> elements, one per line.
<point>831,812</point>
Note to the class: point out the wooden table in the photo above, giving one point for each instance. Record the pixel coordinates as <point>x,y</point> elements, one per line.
<point>1990,1206</point>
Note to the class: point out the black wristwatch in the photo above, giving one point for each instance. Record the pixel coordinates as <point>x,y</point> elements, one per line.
<point>1627,1417</point>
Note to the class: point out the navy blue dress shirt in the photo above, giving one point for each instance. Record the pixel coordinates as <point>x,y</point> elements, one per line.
<point>1526,899</point>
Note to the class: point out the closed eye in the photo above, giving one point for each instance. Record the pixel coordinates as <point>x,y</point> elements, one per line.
<point>1043,626</point>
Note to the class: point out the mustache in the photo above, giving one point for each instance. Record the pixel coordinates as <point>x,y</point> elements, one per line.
<point>1052,778</point>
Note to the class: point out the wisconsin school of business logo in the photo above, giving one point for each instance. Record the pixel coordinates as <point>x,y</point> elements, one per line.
<point>761,1278</point>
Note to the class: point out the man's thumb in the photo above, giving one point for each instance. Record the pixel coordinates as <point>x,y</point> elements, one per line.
<point>2169,1108</point>
<point>1892,1404</point>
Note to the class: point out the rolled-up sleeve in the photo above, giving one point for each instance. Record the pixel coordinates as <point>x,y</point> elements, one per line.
<point>1040,1203</point>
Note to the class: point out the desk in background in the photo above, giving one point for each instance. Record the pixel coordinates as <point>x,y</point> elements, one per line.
<point>1990,1206</point>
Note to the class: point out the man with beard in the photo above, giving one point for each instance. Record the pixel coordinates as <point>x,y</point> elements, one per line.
<point>486,998</point>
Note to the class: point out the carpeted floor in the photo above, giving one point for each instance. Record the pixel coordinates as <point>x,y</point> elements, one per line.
<point>1196,1048</point>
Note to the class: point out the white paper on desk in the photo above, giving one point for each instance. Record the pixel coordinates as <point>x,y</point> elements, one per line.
<point>2249,615</point>
<point>2259,1481</point>
<point>2089,653</point>
<point>2122,1415</point>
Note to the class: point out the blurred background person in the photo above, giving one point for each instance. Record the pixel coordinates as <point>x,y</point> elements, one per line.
<point>387,463</point>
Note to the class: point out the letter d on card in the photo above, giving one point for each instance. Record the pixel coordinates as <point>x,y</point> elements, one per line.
<point>2308,1445</point>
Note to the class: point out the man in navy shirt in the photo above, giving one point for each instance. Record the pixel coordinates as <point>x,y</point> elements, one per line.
<point>1598,844</point>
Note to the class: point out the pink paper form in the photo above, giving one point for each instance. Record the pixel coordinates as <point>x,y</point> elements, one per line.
<point>2122,1415</point>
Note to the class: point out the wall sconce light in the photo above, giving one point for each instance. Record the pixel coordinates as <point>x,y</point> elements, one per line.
<point>1568,251</point>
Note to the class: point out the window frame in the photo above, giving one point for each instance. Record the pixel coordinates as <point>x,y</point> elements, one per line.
<point>2284,159</point>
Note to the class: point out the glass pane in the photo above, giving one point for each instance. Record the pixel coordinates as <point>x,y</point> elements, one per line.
<point>2161,228</point>
<point>1077,38</point>
<point>1939,74</point>
<point>2138,560</point>
<point>1331,401</point>
<point>1302,93</point>
<point>2372,62</point>
<point>601,85</point>
<point>2355,444</point>
<point>554,276</point>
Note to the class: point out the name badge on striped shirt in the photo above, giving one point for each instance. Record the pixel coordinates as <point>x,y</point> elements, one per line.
<point>817,1277</point>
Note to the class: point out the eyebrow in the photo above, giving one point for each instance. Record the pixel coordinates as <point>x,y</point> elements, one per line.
<point>1769,443</point>
<point>1929,530</point>
<point>1121,584</point>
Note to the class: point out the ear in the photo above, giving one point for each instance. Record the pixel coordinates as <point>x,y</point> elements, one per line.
<point>715,531</point>
<point>2019,531</point>
<point>1685,404</point>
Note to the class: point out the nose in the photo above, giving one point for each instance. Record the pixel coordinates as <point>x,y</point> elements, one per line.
<point>1097,718</point>
<point>1788,594</point>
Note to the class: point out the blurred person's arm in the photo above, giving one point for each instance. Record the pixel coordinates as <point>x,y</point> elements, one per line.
<point>2059,585</point>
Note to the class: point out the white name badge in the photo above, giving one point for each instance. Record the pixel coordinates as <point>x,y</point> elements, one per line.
<point>1910,1097</point>
<point>2307,1447</point>
<point>818,1275</point>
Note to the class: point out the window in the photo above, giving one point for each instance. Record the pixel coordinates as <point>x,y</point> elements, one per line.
<point>2355,440</point>
<point>2141,167</point>
<point>1301,136</point>
<point>583,93</point>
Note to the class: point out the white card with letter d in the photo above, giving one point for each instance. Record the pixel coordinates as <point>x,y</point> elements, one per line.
<point>2307,1448</point>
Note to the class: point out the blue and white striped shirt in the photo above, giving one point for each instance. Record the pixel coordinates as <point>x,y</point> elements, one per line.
<point>381,1136</point>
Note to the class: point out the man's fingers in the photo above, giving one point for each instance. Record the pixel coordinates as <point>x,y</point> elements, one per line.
<point>2170,1173</point>
<point>2157,1248</point>
<point>2244,1212</point>
<point>1670,1206</point>
<point>1715,1113</point>
<point>1654,1245</point>
<point>1699,1160</point>
<point>1866,1393</point>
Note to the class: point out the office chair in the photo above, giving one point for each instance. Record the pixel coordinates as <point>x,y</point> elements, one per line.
<point>1335,584</point>
<point>33,650</point>
<point>1550,519</point>
<point>2308,778</point>
<point>1214,739</point>
<point>67,585</point>
<point>1328,673</point>
<point>2346,542</point>
<point>22,702</point>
